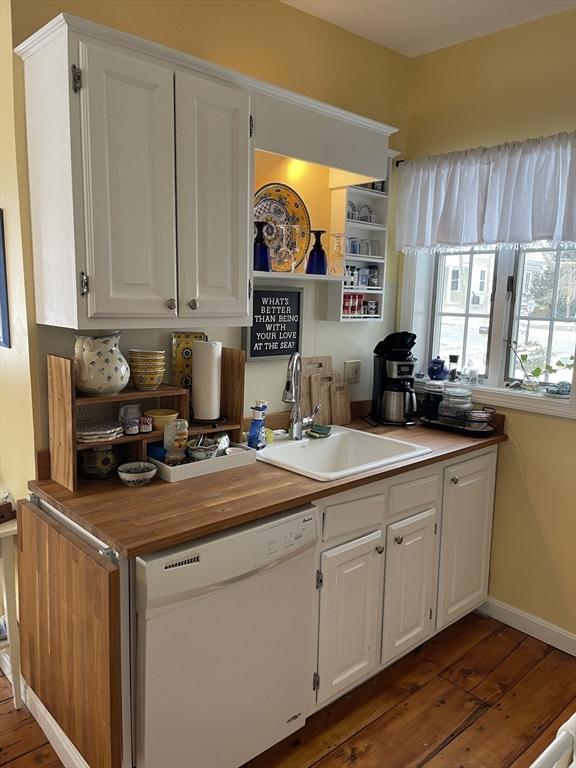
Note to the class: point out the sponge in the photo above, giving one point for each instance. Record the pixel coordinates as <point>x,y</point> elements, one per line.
<point>319,430</point>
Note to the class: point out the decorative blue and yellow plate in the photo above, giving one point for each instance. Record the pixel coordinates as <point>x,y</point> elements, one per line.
<point>279,204</point>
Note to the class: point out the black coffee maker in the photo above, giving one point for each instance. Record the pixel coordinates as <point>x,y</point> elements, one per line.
<point>393,397</point>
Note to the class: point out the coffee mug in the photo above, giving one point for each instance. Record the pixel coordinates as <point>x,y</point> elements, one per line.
<point>131,426</point>
<point>145,423</point>
<point>129,412</point>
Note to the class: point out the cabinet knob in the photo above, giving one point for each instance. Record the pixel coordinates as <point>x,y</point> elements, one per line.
<point>171,304</point>
<point>398,539</point>
<point>380,549</point>
<point>193,303</point>
<point>455,480</point>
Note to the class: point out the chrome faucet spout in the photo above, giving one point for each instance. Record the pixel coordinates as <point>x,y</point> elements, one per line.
<point>292,393</point>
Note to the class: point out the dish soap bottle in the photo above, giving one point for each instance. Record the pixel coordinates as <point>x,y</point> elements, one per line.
<point>257,432</point>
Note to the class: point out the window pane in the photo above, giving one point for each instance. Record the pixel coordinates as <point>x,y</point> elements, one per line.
<point>451,337</point>
<point>453,282</point>
<point>563,344</point>
<point>566,298</point>
<point>481,283</point>
<point>477,345</point>
<point>532,340</point>
<point>538,279</point>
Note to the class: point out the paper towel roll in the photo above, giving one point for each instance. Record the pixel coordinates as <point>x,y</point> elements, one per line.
<point>206,377</point>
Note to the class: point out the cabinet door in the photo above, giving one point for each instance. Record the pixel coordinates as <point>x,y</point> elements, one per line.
<point>128,155</point>
<point>214,163</point>
<point>409,583</point>
<point>349,614</point>
<point>70,633</point>
<point>466,534</point>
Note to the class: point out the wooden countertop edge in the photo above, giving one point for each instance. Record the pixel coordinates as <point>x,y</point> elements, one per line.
<point>259,510</point>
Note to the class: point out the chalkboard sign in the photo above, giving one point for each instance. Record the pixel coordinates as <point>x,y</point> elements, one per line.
<point>276,323</point>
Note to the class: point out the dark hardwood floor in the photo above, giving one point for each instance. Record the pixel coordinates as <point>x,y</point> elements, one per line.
<point>479,695</point>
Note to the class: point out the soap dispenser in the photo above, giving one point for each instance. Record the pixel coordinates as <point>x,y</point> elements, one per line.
<point>257,431</point>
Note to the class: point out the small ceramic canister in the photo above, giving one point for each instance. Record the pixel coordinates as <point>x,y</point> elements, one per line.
<point>145,423</point>
<point>131,426</point>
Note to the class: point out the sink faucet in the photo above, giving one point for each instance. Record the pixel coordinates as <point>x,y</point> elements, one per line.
<point>291,394</point>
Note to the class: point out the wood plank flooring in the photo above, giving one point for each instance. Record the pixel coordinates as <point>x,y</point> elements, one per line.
<point>478,695</point>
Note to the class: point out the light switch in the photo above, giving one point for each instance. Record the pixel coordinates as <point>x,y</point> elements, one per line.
<point>352,371</point>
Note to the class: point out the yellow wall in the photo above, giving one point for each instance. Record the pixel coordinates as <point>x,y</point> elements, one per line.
<point>514,84</point>
<point>16,417</point>
<point>508,86</point>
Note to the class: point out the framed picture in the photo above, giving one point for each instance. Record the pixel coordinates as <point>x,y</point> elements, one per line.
<point>276,330</point>
<point>4,316</point>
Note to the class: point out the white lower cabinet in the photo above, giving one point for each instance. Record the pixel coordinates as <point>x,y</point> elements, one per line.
<point>350,597</point>
<point>466,535</point>
<point>410,582</point>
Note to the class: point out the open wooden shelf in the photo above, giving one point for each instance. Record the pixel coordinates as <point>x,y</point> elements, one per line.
<point>155,435</point>
<point>131,393</point>
<point>63,401</point>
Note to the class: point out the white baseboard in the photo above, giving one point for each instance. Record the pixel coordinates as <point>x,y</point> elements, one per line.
<point>531,625</point>
<point>61,744</point>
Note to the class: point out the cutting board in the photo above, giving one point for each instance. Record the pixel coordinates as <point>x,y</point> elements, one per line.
<point>311,366</point>
<point>340,403</point>
<point>320,384</point>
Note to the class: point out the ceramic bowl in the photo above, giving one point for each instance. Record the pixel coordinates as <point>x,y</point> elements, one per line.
<point>161,417</point>
<point>201,452</point>
<point>148,368</point>
<point>137,472</point>
<point>147,381</point>
<point>146,353</point>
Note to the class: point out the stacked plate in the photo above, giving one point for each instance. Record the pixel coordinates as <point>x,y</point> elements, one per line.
<point>98,432</point>
<point>147,368</point>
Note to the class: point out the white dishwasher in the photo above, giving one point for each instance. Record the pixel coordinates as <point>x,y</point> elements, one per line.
<point>224,656</point>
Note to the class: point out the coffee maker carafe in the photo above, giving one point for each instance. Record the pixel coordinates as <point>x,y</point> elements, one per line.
<point>393,397</point>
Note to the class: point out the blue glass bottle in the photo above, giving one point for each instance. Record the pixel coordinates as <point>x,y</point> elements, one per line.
<point>317,262</point>
<point>261,250</point>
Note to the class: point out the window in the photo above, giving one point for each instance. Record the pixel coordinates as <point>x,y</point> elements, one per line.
<point>544,319</point>
<point>462,306</point>
<point>454,280</point>
<point>482,281</point>
<point>524,295</point>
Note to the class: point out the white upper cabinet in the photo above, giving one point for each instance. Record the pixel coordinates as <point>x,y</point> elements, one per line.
<point>127,126</point>
<point>214,164</point>
<point>140,168</point>
<point>466,535</point>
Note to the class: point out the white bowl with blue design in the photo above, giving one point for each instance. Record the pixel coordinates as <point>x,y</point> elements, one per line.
<point>137,472</point>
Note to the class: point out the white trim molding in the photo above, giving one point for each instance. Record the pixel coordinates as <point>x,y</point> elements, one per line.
<point>57,25</point>
<point>531,625</point>
<point>61,744</point>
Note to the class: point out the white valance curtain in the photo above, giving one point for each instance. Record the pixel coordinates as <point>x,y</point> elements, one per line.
<point>512,193</point>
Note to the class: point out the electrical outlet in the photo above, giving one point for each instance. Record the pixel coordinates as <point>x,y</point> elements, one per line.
<point>352,371</point>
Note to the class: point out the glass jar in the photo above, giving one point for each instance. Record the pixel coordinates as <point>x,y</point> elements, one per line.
<point>455,402</point>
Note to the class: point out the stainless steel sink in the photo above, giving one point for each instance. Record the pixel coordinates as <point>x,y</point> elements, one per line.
<point>345,452</point>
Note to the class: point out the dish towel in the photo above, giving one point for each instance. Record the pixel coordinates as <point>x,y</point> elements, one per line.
<point>568,760</point>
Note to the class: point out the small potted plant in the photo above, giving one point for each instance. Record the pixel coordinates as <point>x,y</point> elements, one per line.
<point>531,382</point>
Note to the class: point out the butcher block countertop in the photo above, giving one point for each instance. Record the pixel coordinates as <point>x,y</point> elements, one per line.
<point>135,521</point>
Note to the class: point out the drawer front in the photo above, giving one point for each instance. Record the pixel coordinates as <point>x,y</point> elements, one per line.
<point>352,516</point>
<point>413,494</point>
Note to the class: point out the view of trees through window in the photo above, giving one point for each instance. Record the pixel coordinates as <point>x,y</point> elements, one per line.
<point>541,320</point>
<point>545,315</point>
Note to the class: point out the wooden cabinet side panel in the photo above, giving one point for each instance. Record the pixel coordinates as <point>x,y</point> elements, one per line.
<point>70,634</point>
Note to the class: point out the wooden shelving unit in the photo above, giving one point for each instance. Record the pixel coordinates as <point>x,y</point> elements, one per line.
<point>63,402</point>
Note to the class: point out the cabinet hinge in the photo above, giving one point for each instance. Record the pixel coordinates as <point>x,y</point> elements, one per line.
<point>435,528</point>
<point>315,681</point>
<point>430,612</point>
<point>76,78</point>
<point>109,554</point>
<point>249,289</point>
<point>84,283</point>
<point>319,579</point>
<point>251,126</point>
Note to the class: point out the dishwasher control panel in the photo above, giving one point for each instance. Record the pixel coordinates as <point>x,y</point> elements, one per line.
<point>285,536</point>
